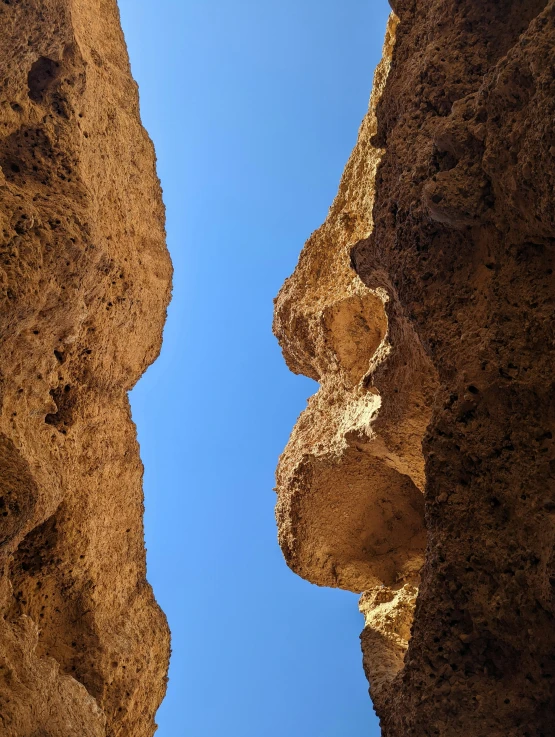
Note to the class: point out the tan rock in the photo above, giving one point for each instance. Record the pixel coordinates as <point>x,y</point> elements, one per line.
<point>350,505</point>
<point>428,454</point>
<point>388,616</point>
<point>84,284</point>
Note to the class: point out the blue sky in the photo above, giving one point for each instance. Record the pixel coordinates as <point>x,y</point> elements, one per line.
<point>253,107</point>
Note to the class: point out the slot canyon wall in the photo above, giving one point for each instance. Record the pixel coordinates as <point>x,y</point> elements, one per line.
<point>421,474</point>
<point>84,284</point>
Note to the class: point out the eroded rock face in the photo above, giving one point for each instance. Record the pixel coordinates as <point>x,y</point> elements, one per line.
<point>422,472</point>
<point>84,284</point>
<point>336,526</point>
<point>350,483</point>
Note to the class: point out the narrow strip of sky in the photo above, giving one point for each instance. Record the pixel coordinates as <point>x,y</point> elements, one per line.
<point>254,108</point>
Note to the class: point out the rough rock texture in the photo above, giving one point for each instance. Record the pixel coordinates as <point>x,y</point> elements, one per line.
<point>426,460</point>
<point>336,330</point>
<point>350,483</point>
<point>84,283</point>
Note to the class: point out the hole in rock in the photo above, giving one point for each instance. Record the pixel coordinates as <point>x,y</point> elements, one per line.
<point>43,72</point>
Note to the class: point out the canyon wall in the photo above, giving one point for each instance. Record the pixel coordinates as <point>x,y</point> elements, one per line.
<point>421,474</point>
<point>84,284</point>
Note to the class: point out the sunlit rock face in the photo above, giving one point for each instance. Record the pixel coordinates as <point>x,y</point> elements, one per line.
<point>422,472</point>
<point>84,284</point>
<point>350,482</point>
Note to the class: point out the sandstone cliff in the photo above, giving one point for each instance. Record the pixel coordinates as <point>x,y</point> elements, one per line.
<point>422,472</point>
<point>84,284</point>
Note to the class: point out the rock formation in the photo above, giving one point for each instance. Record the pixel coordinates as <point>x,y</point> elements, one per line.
<point>84,284</point>
<point>422,472</point>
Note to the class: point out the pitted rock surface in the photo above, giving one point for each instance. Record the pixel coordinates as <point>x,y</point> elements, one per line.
<point>422,472</point>
<point>84,284</point>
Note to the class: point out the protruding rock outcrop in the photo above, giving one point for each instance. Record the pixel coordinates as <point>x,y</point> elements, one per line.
<point>350,482</point>
<point>424,307</point>
<point>84,284</point>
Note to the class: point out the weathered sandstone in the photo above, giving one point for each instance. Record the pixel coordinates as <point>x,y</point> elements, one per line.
<point>422,471</point>
<point>84,284</point>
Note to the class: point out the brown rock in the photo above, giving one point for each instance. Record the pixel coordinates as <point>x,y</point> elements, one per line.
<point>447,339</point>
<point>84,284</point>
<point>336,330</point>
<point>350,504</point>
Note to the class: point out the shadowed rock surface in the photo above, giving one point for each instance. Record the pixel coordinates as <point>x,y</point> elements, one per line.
<point>84,284</point>
<point>422,472</point>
